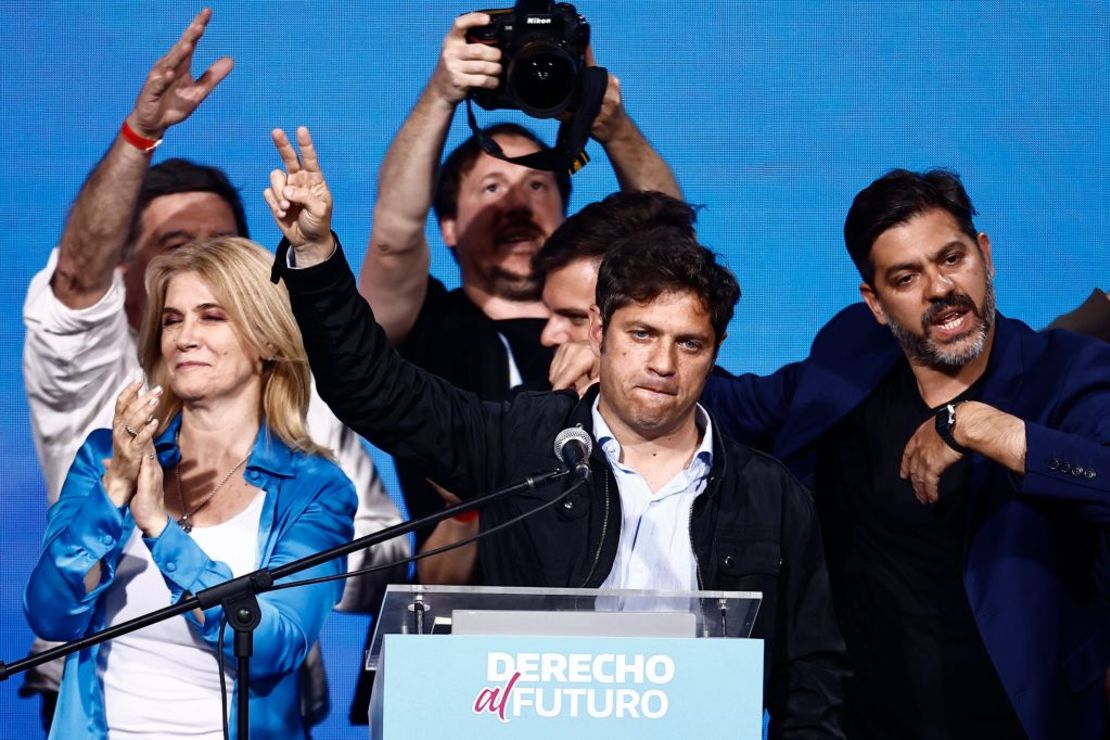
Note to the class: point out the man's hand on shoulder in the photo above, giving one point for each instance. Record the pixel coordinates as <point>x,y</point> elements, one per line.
<point>574,366</point>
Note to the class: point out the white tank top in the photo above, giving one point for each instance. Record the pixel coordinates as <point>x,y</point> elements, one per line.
<point>163,680</point>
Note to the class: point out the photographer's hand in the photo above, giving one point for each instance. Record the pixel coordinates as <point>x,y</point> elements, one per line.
<point>464,65</point>
<point>300,200</point>
<point>636,164</point>
<point>612,120</point>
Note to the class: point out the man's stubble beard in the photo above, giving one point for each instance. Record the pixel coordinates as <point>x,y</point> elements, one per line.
<point>923,350</point>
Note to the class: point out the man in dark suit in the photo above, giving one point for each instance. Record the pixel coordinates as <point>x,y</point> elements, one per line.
<point>962,477</point>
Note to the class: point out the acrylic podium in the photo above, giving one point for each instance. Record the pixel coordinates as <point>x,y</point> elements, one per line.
<point>485,662</point>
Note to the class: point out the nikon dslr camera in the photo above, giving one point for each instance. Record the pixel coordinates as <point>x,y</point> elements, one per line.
<point>543,51</point>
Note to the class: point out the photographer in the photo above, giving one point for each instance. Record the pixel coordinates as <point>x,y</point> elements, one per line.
<point>394,277</point>
<point>494,215</point>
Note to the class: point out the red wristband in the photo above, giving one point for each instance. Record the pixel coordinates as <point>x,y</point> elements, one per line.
<point>466,516</point>
<point>137,140</point>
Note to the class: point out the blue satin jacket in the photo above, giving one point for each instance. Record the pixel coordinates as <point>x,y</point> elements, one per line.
<point>309,506</point>
<point>1030,563</point>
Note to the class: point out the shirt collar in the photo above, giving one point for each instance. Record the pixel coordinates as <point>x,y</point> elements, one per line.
<point>612,448</point>
<point>268,454</point>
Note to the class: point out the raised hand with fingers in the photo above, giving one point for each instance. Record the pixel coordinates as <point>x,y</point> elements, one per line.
<point>299,199</point>
<point>133,429</point>
<point>170,94</point>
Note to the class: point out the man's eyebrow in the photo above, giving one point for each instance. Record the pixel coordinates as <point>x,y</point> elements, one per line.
<point>890,271</point>
<point>696,335</point>
<point>940,251</point>
<point>954,244</point>
<point>175,235</point>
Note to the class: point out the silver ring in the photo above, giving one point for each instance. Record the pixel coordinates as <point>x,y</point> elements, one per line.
<point>133,432</point>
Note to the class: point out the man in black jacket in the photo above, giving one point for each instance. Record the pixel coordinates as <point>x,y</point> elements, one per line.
<point>672,504</point>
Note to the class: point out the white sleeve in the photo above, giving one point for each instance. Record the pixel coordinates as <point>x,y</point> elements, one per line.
<point>376,510</point>
<point>75,361</point>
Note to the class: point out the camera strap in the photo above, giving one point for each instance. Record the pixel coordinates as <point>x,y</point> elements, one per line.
<point>569,152</point>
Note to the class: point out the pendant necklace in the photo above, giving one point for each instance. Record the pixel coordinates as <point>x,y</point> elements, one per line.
<point>185,522</point>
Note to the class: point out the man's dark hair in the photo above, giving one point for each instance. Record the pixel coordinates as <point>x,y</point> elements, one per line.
<point>179,175</point>
<point>644,265</point>
<point>461,160</point>
<point>593,231</point>
<point>894,199</point>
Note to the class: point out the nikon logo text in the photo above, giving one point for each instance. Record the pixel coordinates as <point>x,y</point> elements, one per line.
<point>534,21</point>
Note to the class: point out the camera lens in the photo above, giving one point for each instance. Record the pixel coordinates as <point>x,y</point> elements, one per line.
<point>542,79</point>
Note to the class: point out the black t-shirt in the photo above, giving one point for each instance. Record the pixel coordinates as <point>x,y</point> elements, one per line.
<point>453,339</point>
<point>896,566</point>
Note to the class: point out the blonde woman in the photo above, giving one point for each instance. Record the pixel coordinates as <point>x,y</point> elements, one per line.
<point>207,475</point>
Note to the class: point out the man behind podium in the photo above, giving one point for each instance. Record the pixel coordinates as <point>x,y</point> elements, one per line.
<point>673,504</point>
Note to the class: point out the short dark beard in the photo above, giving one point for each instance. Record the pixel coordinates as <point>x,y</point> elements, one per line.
<point>924,351</point>
<point>514,287</point>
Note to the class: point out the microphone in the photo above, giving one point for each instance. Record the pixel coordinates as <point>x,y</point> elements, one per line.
<point>573,446</point>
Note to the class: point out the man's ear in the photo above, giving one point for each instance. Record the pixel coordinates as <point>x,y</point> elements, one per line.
<point>984,242</point>
<point>716,354</point>
<point>447,231</point>
<point>597,331</point>
<point>872,300</point>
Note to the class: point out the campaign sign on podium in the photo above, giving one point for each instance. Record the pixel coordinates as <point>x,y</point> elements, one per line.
<point>579,663</point>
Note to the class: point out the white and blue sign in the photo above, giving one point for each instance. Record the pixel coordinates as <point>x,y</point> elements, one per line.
<point>593,687</point>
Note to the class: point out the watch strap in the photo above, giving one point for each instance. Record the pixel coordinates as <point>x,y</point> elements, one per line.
<point>945,422</point>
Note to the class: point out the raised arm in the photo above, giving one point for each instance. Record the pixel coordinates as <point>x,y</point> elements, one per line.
<point>394,275</point>
<point>96,231</point>
<point>400,408</point>
<point>635,162</point>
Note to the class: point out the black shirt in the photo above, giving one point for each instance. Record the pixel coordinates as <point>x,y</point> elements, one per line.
<point>896,566</point>
<point>453,339</point>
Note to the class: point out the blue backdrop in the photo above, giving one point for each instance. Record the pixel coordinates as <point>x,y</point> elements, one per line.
<point>773,115</point>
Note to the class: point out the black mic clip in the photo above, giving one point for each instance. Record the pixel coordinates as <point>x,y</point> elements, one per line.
<point>573,446</point>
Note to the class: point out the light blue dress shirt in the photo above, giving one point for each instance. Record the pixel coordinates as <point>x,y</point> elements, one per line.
<point>655,551</point>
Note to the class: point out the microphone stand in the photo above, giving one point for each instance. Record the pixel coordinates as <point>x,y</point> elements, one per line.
<point>238,596</point>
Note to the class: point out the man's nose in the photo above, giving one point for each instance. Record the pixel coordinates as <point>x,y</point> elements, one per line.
<point>518,197</point>
<point>938,284</point>
<point>555,332</point>
<point>662,358</point>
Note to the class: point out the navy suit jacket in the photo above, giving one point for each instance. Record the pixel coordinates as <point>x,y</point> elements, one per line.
<point>1029,568</point>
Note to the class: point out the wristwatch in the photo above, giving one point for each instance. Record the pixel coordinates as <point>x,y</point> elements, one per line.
<point>946,424</point>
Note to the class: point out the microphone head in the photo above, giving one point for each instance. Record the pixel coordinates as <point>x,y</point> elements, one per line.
<point>576,434</point>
